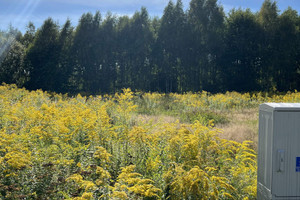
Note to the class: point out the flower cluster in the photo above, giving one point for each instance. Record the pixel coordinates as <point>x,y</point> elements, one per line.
<point>53,146</point>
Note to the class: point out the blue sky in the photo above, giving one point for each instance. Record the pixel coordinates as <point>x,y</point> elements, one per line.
<point>19,12</point>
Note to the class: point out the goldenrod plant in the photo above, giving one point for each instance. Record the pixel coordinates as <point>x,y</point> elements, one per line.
<point>58,147</point>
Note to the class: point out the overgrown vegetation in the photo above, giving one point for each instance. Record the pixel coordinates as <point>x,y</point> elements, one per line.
<point>55,147</point>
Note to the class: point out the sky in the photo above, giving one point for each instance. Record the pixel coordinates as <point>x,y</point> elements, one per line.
<point>19,12</point>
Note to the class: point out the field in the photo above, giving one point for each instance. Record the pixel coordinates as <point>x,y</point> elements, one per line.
<point>130,145</point>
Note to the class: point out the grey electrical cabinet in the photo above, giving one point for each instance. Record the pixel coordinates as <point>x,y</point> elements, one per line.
<point>278,174</point>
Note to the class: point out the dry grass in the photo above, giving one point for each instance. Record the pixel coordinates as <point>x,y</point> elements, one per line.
<point>243,125</point>
<point>155,119</point>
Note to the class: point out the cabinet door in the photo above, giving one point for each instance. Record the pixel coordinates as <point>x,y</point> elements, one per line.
<point>286,154</point>
<point>264,159</point>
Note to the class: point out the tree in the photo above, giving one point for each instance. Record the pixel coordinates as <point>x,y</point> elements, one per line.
<point>242,52</point>
<point>42,57</point>
<point>28,37</point>
<point>287,45</point>
<point>136,38</point>
<point>171,48</point>
<point>108,58</point>
<point>268,18</point>
<point>122,54</point>
<point>65,67</point>
<point>12,66</point>
<point>206,20</point>
<point>5,41</point>
<point>7,38</point>
<point>86,54</point>
<point>164,55</point>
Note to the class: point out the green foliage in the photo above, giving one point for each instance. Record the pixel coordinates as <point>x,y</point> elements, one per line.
<point>196,49</point>
<point>42,57</point>
<point>242,51</point>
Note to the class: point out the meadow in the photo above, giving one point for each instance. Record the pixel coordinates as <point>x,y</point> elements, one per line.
<point>130,145</point>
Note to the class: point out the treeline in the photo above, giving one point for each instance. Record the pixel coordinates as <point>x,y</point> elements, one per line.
<point>197,49</point>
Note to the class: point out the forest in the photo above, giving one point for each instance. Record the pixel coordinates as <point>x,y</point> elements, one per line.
<point>198,49</point>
